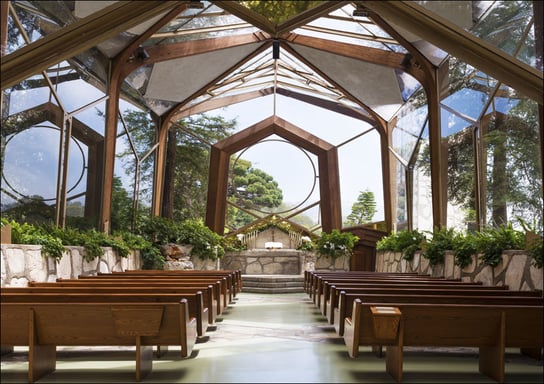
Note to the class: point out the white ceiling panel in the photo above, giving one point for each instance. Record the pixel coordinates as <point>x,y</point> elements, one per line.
<point>176,80</point>
<point>375,86</point>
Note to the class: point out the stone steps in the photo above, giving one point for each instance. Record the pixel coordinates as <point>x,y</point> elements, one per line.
<point>273,283</point>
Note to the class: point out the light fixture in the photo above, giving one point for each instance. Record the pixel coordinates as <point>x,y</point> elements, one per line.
<point>141,54</point>
<point>276,49</point>
<point>406,60</point>
<point>195,4</point>
<point>360,11</point>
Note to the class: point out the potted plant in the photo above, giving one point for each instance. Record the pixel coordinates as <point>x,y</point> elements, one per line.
<point>336,244</point>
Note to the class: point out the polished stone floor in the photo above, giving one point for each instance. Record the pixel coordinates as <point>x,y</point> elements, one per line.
<point>269,338</point>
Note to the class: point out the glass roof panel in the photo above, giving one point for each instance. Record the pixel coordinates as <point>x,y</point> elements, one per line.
<point>342,26</point>
<point>279,11</point>
<point>194,24</point>
<point>451,123</point>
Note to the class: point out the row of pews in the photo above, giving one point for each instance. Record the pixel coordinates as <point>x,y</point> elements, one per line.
<point>397,310</point>
<point>140,308</point>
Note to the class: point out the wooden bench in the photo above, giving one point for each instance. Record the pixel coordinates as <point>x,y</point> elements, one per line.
<point>219,297</point>
<point>346,300</point>
<point>487,327</point>
<point>44,326</point>
<point>235,276</point>
<point>223,291</point>
<point>195,298</point>
<point>322,289</point>
<point>310,276</point>
<point>330,290</point>
<point>336,312</point>
<point>318,283</point>
<point>233,279</point>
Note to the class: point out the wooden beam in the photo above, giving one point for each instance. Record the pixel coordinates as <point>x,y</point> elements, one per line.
<point>77,37</point>
<point>462,44</point>
<point>309,15</point>
<point>366,54</point>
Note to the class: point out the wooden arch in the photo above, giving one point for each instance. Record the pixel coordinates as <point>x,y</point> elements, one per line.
<point>327,155</point>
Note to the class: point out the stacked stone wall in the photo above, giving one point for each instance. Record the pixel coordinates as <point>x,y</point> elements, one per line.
<point>23,263</point>
<point>515,271</point>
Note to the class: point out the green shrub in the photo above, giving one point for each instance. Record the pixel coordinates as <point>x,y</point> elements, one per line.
<point>336,243</point>
<point>152,258</point>
<point>464,247</point>
<point>406,242</point>
<point>232,244</point>
<point>435,249</point>
<point>206,243</point>
<point>492,242</point>
<point>535,249</point>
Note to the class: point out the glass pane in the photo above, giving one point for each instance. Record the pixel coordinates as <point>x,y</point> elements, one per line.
<point>361,171</point>
<point>400,209</point>
<point>422,194</point>
<point>461,180</point>
<point>512,160</point>
<point>408,128</point>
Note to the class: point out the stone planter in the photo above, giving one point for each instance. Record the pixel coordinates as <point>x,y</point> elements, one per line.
<point>515,271</point>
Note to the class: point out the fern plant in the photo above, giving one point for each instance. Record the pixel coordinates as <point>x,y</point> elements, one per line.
<point>492,242</point>
<point>435,249</point>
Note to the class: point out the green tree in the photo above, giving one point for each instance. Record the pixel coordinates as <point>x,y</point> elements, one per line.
<point>363,210</point>
<point>121,207</point>
<point>187,167</point>
<point>253,190</point>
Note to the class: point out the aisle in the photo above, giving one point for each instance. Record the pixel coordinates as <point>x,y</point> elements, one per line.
<point>268,338</point>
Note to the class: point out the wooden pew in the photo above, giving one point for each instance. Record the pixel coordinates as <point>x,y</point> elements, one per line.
<point>320,294</point>
<point>316,290</point>
<point>195,298</point>
<point>326,295</point>
<point>235,276</point>
<point>43,326</point>
<point>346,301</point>
<point>336,312</point>
<point>224,293</point>
<point>310,277</point>
<point>219,296</point>
<point>217,304</point>
<point>488,327</point>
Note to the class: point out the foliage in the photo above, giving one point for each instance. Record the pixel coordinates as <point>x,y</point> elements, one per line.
<point>336,243</point>
<point>442,239</point>
<point>464,247</point>
<point>53,240</point>
<point>407,242</point>
<point>251,189</point>
<point>189,160</point>
<point>206,243</point>
<point>363,210</point>
<point>536,250</point>
<point>232,244</point>
<point>279,11</point>
<point>534,239</point>
<point>514,176</point>
<point>152,258</point>
<point>492,242</point>
<point>161,231</point>
<point>306,244</point>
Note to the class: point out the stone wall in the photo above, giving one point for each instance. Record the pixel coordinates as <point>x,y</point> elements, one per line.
<point>23,263</point>
<point>280,262</point>
<point>515,271</point>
